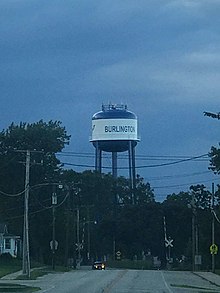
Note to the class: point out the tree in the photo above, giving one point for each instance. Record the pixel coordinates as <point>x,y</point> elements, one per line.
<point>44,140</point>
<point>144,192</point>
<point>215,160</point>
<point>201,196</point>
<point>178,220</point>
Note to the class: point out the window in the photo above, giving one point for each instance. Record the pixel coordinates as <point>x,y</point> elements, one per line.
<point>7,243</point>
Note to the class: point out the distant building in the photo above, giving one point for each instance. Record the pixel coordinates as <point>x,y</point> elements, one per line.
<point>9,243</point>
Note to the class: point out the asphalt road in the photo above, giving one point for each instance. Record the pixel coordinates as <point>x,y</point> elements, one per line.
<point>122,281</point>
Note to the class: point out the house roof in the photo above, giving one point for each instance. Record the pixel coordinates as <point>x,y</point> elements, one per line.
<point>3,228</point>
<point>4,232</point>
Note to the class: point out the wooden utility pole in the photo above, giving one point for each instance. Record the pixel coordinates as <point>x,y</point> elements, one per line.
<point>54,203</point>
<point>213,228</point>
<point>193,231</point>
<point>78,236</point>
<point>26,252</point>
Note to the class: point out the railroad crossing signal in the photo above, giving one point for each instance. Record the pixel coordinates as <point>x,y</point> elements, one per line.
<point>79,246</point>
<point>168,242</point>
<point>213,249</point>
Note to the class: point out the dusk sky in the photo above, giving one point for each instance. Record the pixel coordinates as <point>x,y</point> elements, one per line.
<point>63,59</point>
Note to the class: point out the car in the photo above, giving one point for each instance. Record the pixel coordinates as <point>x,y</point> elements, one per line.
<point>98,265</point>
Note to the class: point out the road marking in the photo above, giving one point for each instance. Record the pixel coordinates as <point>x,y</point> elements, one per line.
<point>113,282</point>
<point>167,286</point>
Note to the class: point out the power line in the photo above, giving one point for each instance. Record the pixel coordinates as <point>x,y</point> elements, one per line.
<point>184,184</point>
<point>168,177</point>
<point>28,187</point>
<point>13,195</point>
<point>143,166</point>
<point>124,156</point>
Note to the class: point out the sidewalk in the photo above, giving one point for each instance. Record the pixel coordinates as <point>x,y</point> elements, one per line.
<point>12,276</point>
<point>209,276</point>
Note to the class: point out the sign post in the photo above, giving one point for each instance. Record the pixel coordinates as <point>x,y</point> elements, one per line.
<point>213,250</point>
<point>169,245</point>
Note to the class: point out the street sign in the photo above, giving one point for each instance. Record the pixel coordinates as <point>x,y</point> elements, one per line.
<point>168,242</point>
<point>118,254</point>
<point>55,245</point>
<point>213,249</point>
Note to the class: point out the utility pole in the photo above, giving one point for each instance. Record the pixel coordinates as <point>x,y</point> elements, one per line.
<point>54,203</point>
<point>26,252</point>
<point>26,249</point>
<point>213,227</point>
<point>78,235</point>
<point>67,229</point>
<point>196,243</point>
<point>193,231</point>
<point>88,234</point>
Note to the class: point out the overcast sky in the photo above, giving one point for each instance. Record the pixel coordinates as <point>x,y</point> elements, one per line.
<point>62,59</point>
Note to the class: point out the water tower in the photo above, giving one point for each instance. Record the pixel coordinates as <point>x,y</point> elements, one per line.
<point>115,129</point>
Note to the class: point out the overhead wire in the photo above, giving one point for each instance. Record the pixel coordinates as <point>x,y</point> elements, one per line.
<point>125,156</point>
<point>168,177</point>
<point>140,157</point>
<point>184,184</point>
<point>143,166</point>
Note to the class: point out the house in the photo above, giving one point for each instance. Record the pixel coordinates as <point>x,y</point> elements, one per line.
<point>9,243</point>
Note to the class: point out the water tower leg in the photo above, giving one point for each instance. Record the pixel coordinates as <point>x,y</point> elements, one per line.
<point>98,158</point>
<point>129,162</point>
<point>114,164</point>
<point>133,166</point>
<point>132,175</point>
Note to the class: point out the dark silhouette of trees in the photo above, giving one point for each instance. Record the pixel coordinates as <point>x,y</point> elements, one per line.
<point>108,219</point>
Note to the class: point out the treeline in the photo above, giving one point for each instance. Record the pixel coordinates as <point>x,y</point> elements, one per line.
<point>95,211</point>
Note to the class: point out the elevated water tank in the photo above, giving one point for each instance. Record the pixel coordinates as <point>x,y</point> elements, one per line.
<point>114,128</point>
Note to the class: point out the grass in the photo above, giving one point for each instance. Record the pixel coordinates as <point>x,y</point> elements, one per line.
<point>217,271</point>
<point>8,266</point>
<point>6,287</point>
<point>39,272</point>
<point>5,270</point>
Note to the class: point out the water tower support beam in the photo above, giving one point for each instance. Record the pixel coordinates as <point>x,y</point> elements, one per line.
<point>133,166</point>
<point>114,164</point>
<point>132,175</point>
<point>98,158</point>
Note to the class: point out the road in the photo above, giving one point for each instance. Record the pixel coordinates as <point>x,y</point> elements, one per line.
<point>122,281</point>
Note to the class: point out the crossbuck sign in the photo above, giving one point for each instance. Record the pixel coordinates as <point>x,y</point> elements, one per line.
<point>168,242</point>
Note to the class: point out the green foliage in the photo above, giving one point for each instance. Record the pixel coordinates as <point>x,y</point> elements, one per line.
<point>215,160</point>
<point>201,196</point>
<point>8,287</point>
<point>108,216</point>
<point>8,264</point>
